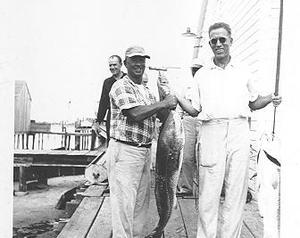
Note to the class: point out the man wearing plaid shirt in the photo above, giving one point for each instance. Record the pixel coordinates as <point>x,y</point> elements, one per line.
<point>133,113</point>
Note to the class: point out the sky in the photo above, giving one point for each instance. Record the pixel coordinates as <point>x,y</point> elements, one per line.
<point>61,47</point>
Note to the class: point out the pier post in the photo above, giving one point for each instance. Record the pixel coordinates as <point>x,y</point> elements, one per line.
<point>22,179</point>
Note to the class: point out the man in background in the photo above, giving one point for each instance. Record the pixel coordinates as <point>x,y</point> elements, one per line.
<point>115,64</point>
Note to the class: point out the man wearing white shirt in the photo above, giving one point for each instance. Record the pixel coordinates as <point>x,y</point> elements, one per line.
<point>224,94</point>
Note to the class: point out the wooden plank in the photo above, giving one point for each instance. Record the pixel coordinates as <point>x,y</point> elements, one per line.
<point>56,158</point>
<point>78,152</point>
<point>50,152</point>
<point>174,228</point>
<point>253,219</point>
<point>49,165</point>
<point>246,233</point>
<point>23,160</point>
<point>94,191</point>
<point>22,179</point>
<point>53,161</point>
<point>102,226</point>
<point>82,219</point>
<point>190,215</point>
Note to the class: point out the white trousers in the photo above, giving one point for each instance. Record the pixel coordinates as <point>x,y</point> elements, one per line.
<point>129,181</point>
<point>191,129</point>
<point>224,159</point>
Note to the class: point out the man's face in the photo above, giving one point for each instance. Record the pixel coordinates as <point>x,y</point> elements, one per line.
<point>135,66</point>
<point>220,42</point>
<point>114,66</point>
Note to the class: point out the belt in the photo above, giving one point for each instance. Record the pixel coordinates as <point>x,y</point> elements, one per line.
<point>134,143</point>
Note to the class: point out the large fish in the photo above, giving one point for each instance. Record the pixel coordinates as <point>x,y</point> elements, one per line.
<point>169,156</point>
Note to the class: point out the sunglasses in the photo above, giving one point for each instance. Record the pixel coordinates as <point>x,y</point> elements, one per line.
<point>214,41</point>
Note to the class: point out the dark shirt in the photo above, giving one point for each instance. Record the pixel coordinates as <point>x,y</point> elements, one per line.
<point>104,103</point>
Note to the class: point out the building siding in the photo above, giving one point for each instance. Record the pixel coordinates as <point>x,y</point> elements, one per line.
<point>22,107</point>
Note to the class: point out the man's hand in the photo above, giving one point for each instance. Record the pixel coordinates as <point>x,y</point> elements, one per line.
<point>170,101</point>
<point>96,128</point>
<point>276,100</point>
<point>163,86</point>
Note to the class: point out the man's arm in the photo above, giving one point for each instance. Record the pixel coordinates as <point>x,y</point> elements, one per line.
<point>103,103</point>
<point>263,101</point>
<point>142,112</point>
<point>186,105</point>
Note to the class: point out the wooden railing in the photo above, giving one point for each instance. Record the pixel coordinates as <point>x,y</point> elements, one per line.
<point>41,140</point>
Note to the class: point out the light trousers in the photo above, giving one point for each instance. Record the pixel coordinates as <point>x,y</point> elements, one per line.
<point>224,159</point>
<point>129,180</point>
<point>191,129</point>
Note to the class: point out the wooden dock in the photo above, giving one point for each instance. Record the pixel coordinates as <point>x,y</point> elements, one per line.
<point>42,159</point>
<point>63,158</point>
<point>44,149</point>
<point>92,218</point>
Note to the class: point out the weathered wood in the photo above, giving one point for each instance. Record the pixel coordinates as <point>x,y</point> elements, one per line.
<point>22,138</point>
<point>42,175</point>
<point>42,141</point>
<point>175,227</point>
<point>82,219</point>
<point>190,215</point>
<point>252,219</point>
<point>18,141</point>
<point>246,233</point>
<point>54,157</point>
<point>94,191</point>
<point>102,225</point>
<point>27,140</point>
<point>33,140</point>
<point>22,179</point>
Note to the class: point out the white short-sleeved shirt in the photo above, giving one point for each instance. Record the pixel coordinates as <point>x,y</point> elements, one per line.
<point>223,93</point>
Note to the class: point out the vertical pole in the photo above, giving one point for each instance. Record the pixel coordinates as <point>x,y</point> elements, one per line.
<point>18,141</point>
<point>22,139</point>
<point>22,179</point>
<point>42,144</point>
<point>42,175</point>
<point>33,140</point>
<point>278,60</point>
<point>27,139</point>
<point>39,141</point>
<point>200,28</point>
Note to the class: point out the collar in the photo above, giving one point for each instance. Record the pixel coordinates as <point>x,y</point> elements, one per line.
<point>211,64</point>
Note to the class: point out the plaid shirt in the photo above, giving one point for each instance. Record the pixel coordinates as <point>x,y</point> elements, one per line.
<point>125,94</point>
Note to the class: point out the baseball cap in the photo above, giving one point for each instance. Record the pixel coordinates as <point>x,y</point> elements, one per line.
<point>136,51</point>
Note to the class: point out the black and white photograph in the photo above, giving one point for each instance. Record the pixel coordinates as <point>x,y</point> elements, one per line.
<point>149,119</point>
